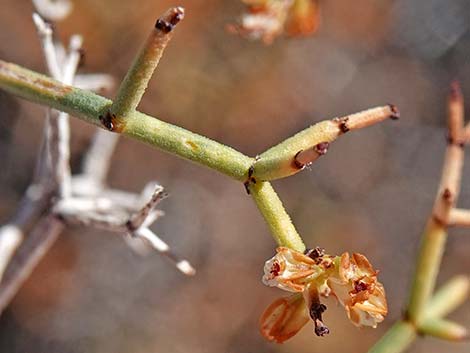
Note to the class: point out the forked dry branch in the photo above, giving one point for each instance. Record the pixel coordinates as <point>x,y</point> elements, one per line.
<point>55,199</point>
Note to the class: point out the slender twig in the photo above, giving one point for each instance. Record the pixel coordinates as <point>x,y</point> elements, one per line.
<point>397,339</point>
<point>444,329</point>
<point>435,235</point>
<point>53,9</point>
<point>424,313</point>
<point>11,237</point>
<point>181,264</point>
<point>140,217</point>
<point>45,34</point>
<point>62,169</point>
<point>459,217</point>
<point>102,213</point>
<point>94,82</point>
<point>295,153</point>
<point>137,78</point>
<point>33,248</point>
<point>97,160</point>
<point>448,297</point>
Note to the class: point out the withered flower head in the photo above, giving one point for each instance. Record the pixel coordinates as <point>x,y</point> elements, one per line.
<point>353,281</point>
<point>357,289</point>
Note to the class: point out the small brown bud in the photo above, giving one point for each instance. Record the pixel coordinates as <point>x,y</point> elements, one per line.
<point>395,112</point>
<point>322,148</point>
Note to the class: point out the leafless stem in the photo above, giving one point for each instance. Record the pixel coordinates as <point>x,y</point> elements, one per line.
<point>459,217</point>
<point>140,218</point>
<point>449,186</point>
<point>53,10</point>
<point>98,158</point>
<point>84,199</point>
<point>34,247</point>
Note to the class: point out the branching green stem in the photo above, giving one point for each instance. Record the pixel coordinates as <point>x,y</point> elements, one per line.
<point>89,107</point>
<point>167,137</point>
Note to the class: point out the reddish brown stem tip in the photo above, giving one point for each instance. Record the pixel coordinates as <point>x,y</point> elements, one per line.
<point>395,112</point>
<point>455,92</point>
<point>170,19</point>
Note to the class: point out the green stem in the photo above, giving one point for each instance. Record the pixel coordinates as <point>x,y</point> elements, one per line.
<point>276,216</point>
<point>281,160</point>
<point>443,329</point>
<point>429,261</point>
<point>89,107</point>
<point>137,78</point>
<point>396,340</point>
<point>448,297</point>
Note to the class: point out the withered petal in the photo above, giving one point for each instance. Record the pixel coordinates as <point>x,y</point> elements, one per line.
<point>284,318</point>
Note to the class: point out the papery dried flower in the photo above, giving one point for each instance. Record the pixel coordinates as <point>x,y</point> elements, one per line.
<point>357,289</point>
<point>284,318</point>
<point>353,281</point>
<point>267,19</point>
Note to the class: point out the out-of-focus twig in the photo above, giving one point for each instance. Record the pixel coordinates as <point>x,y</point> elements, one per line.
<point>424,313</point>
<point>53,10</point>
<point>32,250</point>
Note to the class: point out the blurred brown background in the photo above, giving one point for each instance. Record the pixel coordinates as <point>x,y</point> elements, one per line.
<point>370,194</point>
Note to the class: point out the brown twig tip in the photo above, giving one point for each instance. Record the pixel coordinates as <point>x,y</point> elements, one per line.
<point>82,59</point>
<point>170,19</point>
<point>395,115</point>
<point>455,92</point>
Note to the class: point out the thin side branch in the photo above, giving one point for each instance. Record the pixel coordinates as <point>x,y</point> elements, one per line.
<point>137,78</point>
<point>459,217</point>
<point>53,10</point>
<point>33,248</point>
<point>140,218</point>
<point>450,296</point>
<point>435,235</point>
<point>424,314</point>
<point>444,329</point>
<point>295,153</point>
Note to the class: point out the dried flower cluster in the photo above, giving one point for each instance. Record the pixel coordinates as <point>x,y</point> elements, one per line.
<point>267,19</point>
<point>352,280</point>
